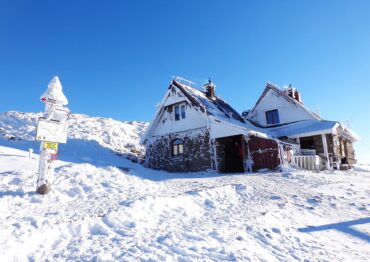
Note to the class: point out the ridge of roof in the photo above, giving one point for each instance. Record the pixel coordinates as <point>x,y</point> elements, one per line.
<point>188,96</point>
<point>277,89</point>
<point>209,105</point>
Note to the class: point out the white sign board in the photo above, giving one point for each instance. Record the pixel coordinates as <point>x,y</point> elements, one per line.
<point>51,131</point>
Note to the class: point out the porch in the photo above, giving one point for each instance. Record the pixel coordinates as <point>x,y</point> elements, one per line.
<point>327,151</point>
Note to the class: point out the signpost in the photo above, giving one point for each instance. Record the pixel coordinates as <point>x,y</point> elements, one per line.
<point>51,130</point>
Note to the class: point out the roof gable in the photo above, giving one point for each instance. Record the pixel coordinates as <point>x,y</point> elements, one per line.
<point>215,107</point>
<point>276,90</point>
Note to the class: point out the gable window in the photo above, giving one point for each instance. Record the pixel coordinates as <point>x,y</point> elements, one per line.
<point>179,112</point>
<point>272,117</point>
<point>177,147</point>
<point>183,111</point>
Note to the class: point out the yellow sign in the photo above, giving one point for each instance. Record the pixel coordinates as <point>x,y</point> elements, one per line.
<point>51,145</point>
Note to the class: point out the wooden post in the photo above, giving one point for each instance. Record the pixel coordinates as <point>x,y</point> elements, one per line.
<point>54,100</point>
<point>326,153</point>
<point>242,144</point>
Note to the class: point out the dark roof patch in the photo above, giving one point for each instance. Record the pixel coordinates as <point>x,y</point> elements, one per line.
<point>212,106</point>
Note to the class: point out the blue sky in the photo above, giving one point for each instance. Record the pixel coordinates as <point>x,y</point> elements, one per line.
<point>116,58</point>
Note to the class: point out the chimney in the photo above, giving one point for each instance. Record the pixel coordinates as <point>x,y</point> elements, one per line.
<point>293,93</point>
<point>210,88</point>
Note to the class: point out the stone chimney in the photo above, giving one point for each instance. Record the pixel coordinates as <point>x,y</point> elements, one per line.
<point>293,93</point>
<point>210,88</point>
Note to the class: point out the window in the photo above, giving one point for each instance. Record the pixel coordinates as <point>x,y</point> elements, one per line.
<point>272,117</point>
<point>183,111</point>
<point>177,147</point>
<point>179,112</point>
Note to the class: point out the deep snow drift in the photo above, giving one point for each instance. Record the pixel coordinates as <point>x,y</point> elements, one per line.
<point>103,207</point>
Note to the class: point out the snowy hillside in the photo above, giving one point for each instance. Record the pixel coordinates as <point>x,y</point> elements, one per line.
<point>121,137</point>
<point>103,207</point>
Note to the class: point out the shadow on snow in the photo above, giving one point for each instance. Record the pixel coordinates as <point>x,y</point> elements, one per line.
<point>80,151</point>
<point>16,193</point>
<point>344,227</point>
<point>75,151</point>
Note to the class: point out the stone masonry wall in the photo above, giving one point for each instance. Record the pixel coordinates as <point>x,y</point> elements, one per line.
<point>196,156</point>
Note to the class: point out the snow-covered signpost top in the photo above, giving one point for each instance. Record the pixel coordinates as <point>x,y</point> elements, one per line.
<point>51,130</point>
<point>54,94</point>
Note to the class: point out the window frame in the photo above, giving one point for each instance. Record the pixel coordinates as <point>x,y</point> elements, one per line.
<point>177,113</point>
<point>182,111</point>
<point>177,149</point>
<point>273,115</point>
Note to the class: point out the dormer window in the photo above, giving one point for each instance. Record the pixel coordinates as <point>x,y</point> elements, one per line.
<point>272,117</point>
<point>179,112</point>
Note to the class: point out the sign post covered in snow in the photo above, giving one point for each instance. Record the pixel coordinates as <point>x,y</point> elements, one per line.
<point>52,129</point>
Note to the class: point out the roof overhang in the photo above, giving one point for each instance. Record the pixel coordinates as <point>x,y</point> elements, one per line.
<point>313,133</point>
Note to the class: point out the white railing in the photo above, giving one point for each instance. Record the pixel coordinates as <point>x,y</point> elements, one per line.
<point>308,152</point>
<point>308,162</point>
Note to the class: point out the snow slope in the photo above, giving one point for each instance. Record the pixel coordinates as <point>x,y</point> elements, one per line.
<point>105,135</point>
<point>107,208</point>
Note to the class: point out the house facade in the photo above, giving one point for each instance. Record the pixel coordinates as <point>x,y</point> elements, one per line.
<point>282,114</point>
<point>195,130</point>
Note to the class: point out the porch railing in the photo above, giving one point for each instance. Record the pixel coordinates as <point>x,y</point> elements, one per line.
<point>308,162</point>
<point>308,152</point>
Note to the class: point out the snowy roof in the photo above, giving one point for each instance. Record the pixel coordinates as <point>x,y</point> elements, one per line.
<point>270,86</point>
<point>215,107</point>
<point>303,128</point>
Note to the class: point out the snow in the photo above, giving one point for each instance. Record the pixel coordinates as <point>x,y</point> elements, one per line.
<point>103,207</point>
<point>289,109</point>
<point>304,128</point>
<point>215,107</point>
<point>105,135</point>
<point>54,93</point>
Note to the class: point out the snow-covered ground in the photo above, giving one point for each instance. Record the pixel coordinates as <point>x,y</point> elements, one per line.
<point>103,207</point>
<point>89,138</point>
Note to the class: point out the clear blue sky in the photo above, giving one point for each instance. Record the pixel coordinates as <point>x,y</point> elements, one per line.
<point>116,58</point>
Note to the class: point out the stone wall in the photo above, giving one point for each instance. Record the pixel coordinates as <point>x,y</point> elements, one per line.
<point>196,156</point>
<point>351,153</point>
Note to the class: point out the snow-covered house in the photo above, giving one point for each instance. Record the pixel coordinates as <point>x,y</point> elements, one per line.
<point>194,130</point>
<point>282,114</point>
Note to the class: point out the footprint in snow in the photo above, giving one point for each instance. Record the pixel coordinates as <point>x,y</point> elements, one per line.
<point>239,187</point>
<point>98,229</point>
<point>192,193</point>
<point>275,197</point>
<point>209,204</point>
<point>314,201</point>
